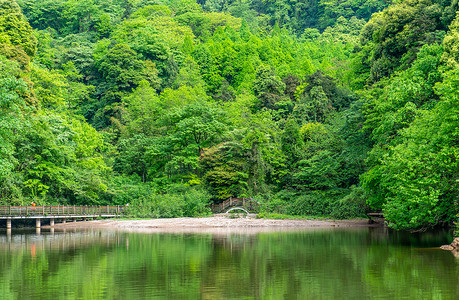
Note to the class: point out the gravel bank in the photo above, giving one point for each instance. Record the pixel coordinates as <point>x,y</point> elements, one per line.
<point>217,223</point>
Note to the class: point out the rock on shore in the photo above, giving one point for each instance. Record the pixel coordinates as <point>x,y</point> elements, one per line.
<point>454,247</point>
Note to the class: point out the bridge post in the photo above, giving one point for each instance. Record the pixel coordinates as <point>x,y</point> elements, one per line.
<point>37,223</point>
<point>8,223</point>
<point>51,222</point>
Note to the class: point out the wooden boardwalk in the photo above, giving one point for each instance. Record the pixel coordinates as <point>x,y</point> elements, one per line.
<point>62,212</point>
<point>59,211</point>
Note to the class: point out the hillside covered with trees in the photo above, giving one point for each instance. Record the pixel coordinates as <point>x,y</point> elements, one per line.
<point>314,108</point>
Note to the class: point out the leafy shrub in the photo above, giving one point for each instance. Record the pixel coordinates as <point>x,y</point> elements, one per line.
<point>196,203</point>
<point>125,190</point>
<point>338,204</point>
<point>191,203</point>
<point>351,205</point>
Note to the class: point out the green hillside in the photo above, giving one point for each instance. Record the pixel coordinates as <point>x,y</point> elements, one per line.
<point>313,108</point>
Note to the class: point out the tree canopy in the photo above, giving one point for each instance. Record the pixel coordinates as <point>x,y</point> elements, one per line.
<point>329,108</point>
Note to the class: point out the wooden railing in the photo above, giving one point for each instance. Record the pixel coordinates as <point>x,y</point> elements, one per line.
<point>60,210</point>
<point>247,203</point>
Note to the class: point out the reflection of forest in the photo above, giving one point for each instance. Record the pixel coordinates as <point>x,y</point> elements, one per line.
<point>384,235</point>
<point>320,264</point>
<point>234,242</point>
<point>327,264</point>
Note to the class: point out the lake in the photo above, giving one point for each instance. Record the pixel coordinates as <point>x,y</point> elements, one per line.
<point>364,263</point>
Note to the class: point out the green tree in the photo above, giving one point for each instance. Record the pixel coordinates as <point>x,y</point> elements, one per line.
<point>12,116</point>
<point>418,176</point>
<point>196,125</point>
<point>14,29</point>
<point>393,108</point>
<point>223,170</point>
<point>268,87</point>
<point>397,33</point>
<point>451,46</point>
<point>120,72</point>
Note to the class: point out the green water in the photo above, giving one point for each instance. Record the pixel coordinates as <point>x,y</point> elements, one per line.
<point>319,264</point>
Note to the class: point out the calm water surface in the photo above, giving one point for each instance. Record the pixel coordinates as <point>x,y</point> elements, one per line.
<point>316,264</point>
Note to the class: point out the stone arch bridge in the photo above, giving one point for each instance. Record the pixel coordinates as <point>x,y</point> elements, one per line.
<point>245,204</point>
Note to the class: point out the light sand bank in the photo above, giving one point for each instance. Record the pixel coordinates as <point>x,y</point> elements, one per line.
<point>218,223</point>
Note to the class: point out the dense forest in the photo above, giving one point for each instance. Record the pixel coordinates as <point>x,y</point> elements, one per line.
<point>314,108</point>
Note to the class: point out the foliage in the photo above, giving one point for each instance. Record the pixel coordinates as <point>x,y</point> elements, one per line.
<point>224,172</point>
<point>11,114</point>
<point>392,38</point>
<point>450,45</point>
<point>314,108</point>
<point>14,29</point>
<point>192,203</point>
<point>329,204</point>
<point>417,175</point>
<point>298,16</point>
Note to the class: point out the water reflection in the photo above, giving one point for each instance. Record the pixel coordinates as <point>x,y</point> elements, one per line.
<point>319,264</point>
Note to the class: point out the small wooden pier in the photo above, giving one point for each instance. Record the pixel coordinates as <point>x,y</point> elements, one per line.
<point>375,217</point>
<point>59,212</point>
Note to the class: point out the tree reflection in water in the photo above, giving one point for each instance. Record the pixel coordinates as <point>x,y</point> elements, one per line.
<point>314,264</point>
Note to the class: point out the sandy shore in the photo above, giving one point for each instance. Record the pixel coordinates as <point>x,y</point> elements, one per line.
<point>217,223</point>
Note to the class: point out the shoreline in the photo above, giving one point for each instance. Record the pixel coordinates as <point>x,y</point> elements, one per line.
<point>214,224</point>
